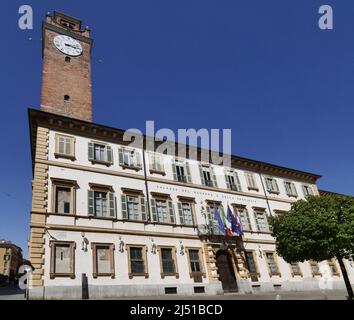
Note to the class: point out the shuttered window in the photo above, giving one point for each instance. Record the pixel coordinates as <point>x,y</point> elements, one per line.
<point>185,213</point>
<point>162,211</point>
<point>101,204</point>
<point>181,171</point>
<point>130,158</point>
<point>207,175</point>
<point>156,162</point>
<point>245,218</point>
<point>290,188</point>
<point>251,181</point>
<point>64,146</point>
<point>133,207</point>
<point>232,180</point>
<point>271,185</point>
<point>100,153</point>
<point>307,190</point>
<point>261,221</point>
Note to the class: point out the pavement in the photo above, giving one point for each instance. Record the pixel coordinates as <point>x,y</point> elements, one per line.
<point>14,293</point>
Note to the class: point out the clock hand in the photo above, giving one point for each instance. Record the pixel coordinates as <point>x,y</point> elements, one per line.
<point>69,45</point>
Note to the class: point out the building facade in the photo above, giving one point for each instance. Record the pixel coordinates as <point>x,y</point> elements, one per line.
<point>10,261</point>
<point>132,222</point>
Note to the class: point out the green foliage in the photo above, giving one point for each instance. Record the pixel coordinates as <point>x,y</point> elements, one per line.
<point>318,228</point>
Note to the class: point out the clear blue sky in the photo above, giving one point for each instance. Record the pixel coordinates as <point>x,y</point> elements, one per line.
<point>262,68</point>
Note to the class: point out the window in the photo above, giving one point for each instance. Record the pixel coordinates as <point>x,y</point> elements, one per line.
<point>101,202</point>
<point>315,269</point>
<point>307,190</point>
<point>207,175</point>
<point>103,259</point>
<point>194,256</point>
<point>271,185</point>
<point>213,224</point>
<point>185,211</point>
<point>64,146</point>
<point>251,181</point>
<point>272,264</point>
<point>129,158</point>
<point>232,180</point>
<point>295,269</point>
<point>168,261</point>
<point>244,217</point>
<point>333,267</point>
<point>134,206</point>
<point>162,211</point>
<point>290,188</point>
<point>100,153</point>
<point>156,163</point>
<point>62,257</point>
<point>63,199</point>
<point>63,196</point>
<point>181,171</point>
<point>137,260</point>
<point>251,262</point>
<point>261,220</point>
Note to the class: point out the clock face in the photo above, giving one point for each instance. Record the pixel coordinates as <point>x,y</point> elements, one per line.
<point>68,45</point>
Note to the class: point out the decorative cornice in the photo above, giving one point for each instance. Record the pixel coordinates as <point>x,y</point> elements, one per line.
<point>114,135</point>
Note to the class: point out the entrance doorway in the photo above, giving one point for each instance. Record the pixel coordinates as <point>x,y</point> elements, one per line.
<point>226,271</point>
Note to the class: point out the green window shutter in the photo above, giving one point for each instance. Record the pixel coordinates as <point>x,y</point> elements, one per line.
<point>153,210</point>
<point>209,214</point>
<point>124,206</point>
<point>171,210</point>
<point>161,165</point>
<point>121,161</point>
<point>213,177</point>
<point>180,213</point>
<point>112,206</point>
<point>90,151</point>
<point>151,162</point>
<point>188,171</point>
<point>293,187</point>
<point>137,158</point>
<point>109,155</point>
<point>257,222</point>
<point>90,201</point>
<point>143,207</point>
<point>237,181</point>
<point>174,170</point>
<point>275,185</point>
<point>227,180</point>
<point>201,173</point>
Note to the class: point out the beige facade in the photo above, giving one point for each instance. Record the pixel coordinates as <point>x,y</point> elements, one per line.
<point>133,222</point>
<point>10,260</point>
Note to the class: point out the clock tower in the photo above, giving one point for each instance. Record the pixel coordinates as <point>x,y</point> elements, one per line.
<point>66,79</point>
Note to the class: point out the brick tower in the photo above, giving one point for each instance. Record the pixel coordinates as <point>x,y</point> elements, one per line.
<point>66,80</point>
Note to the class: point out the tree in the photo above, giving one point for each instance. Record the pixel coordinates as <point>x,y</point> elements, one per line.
<point>318,228</point>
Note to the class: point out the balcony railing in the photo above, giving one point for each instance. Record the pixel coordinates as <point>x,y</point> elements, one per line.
<point>182,178</point>
<point>209,230</point>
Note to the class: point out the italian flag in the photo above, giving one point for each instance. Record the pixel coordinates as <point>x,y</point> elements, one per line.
<point>226,222</point>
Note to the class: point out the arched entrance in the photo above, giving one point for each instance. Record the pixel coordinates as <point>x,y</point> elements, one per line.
<point>226,271</point>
